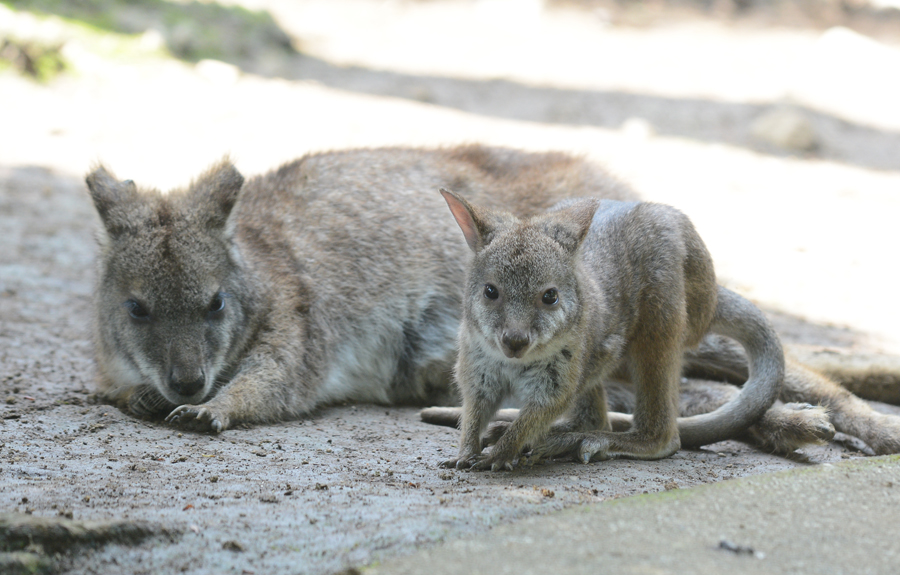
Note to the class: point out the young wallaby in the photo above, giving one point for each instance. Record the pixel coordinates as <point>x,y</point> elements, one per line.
<point>557,303</point>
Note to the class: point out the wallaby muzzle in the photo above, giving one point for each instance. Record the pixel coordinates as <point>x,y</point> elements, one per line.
<point>186,375</point>
<point>514,343</point>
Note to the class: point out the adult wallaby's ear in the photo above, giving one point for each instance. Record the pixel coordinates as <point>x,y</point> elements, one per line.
<point>569,225</point>
<point>215,193</point>
<point>111,197</point>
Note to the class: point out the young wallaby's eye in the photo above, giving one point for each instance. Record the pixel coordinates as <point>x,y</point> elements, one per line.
<point>550,297</point>
<point>491,292</point>
<point>217,305</point>
<point>137,311</point>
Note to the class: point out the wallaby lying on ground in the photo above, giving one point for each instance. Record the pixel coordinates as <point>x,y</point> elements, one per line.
<point>337,277</point>
<point>555,304</point>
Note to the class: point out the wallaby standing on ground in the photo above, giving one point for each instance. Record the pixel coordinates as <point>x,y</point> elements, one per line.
<point>336,277</point>
<point>555,304</point>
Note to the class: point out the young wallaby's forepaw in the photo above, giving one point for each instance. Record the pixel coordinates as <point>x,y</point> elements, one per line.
<point>786,428</point>
<point>495,464</point>
<point>199,418</point>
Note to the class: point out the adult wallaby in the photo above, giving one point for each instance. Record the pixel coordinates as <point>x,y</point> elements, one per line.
<point>556,304</point>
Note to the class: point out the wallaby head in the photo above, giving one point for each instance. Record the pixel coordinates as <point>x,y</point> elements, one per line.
<point>524,286</point>
<point>171,298</point>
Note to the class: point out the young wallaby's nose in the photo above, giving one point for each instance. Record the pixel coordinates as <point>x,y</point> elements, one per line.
<point>186,381</point>
<point>514,343</point>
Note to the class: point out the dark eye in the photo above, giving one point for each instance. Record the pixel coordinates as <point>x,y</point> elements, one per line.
<point>136,310</point>
<point>217,305</point>
<point>550,297</point>
<point>491,292</point>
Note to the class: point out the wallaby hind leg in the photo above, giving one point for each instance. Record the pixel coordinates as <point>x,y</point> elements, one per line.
<point>783,428</point>
<point>654,365</point>
<point>721,359</point>
<point>849,414</point>
<point>588,413</point>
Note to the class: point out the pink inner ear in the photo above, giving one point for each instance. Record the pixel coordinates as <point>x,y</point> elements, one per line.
<point>464,219</point>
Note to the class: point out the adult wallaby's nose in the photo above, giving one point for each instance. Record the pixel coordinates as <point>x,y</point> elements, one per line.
<point>514,343</point>
<point>186,381</point>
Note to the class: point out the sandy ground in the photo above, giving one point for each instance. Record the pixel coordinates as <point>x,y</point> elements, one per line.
<point>811,236</point>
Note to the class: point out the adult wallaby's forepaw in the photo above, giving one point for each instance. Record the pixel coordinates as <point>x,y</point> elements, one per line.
<point>199,418</point>
<point>145,401</point>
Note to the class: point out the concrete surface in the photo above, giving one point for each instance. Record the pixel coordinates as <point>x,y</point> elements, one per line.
<point>831,519</point>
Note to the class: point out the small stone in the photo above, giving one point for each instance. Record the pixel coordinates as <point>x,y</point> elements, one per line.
<point>233,546</point>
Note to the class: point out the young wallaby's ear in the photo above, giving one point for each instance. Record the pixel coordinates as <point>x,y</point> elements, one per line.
<point>111,197</point>
<point>215,193</point>
<point>465,217</point>
<point>477,224</point>
<point>570,224</point>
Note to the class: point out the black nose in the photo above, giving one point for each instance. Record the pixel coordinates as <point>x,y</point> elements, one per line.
<point>515,341</point>
<point>186,384</point>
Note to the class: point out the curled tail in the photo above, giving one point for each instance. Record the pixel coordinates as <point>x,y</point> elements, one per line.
<point>742,321</point>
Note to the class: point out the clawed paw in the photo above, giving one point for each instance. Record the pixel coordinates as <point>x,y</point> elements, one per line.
<point>557,445</point>
<point>489,463</point>
<point>884,436</point>
<point>198,418</point>
<point>480,462</point>
<point>465,461</point>
<point>807,423</point>
<point>592,449</point>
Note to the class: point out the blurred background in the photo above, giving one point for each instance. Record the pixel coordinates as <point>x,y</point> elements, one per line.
<point>774,124</point>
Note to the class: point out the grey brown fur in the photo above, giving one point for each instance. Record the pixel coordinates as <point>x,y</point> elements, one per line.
<point>558,303</point>
<point>340,276</point>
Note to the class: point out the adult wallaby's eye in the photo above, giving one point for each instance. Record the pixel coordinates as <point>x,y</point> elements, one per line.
<point>217,305</point>
<point>491,292</point>
<point>550,297</point>
<point>136,310</point>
